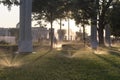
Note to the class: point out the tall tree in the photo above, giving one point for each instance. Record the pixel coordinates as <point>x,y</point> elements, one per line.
<point>115,18</point>
<point>49,10</point>
<point>93,8</point>
<point>81,12</point>
<point>102,17</point>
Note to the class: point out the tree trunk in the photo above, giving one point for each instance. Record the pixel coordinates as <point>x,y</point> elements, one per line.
<point>51,31</point>
<point>94,42</point>
<point>101,36</point>
<point>84,35</point>
<point>25,33</point>
<point>60,23</point>
<point>101,25</point>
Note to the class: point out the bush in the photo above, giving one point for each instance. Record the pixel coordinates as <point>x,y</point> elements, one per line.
<point>71,47</point>
<point>3,42</point>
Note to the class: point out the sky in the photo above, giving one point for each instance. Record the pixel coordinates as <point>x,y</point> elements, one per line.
<point>9,19</point>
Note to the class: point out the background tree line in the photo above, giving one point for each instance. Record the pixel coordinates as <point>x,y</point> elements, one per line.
<point>82,11</point>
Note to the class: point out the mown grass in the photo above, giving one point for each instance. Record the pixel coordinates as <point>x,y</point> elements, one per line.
<point>83,64</point>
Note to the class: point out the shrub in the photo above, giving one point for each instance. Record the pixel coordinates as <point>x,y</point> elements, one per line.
<point>3,42</point>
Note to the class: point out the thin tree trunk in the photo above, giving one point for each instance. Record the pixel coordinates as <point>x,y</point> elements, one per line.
<point>84,35</point>
<point>60,23</point>
<point>51,31</point>
<point>60,32</point>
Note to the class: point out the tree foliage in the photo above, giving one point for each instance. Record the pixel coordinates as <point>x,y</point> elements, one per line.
<point>9,3</point>
<point>115,19</point>
<point>82,11</point>
<point>49,10</point>
<point>44,9</point>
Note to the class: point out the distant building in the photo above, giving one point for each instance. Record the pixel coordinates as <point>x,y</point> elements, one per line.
<point>39,33</point>
<point>4,32</point>
<point>8,39</point>
<point>5,35</point>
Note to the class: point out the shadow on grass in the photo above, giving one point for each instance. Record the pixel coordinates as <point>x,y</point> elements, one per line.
<point>116,53</point>
<point>41,56</point>
<point>57,67</point>
<point>108,61</point>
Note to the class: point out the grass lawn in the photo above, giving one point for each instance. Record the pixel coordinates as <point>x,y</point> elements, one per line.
<point>83,64</point>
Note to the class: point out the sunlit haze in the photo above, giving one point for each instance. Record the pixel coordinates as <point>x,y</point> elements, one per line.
<point>9,18</point>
